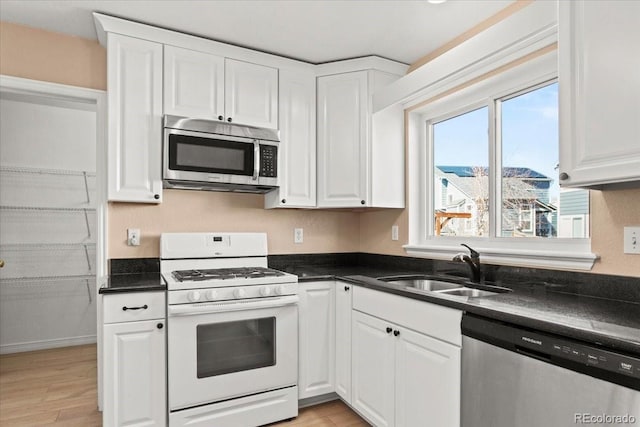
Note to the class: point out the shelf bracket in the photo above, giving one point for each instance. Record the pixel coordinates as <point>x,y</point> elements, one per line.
<point>86,187</point>
<point>86,254</point>
<point>88,290</point>
<point>86,220</point>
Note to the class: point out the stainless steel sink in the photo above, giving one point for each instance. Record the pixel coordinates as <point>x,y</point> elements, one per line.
<point>426,284</point>
<point>468,292</point>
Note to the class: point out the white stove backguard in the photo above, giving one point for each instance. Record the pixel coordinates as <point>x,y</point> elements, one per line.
<point>212,245</point>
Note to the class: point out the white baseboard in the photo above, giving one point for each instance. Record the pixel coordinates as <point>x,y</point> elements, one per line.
<point>46,344</point>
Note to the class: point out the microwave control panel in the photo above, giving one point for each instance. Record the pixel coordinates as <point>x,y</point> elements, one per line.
<point>269,161</point>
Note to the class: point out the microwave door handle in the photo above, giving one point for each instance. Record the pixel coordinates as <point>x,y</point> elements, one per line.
<point>256,159</point>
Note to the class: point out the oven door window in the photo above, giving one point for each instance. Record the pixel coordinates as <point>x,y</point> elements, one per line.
<point>192,153</point>
<point>237,346</point>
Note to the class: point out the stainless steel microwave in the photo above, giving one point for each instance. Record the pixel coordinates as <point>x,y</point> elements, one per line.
<point>210,155</point>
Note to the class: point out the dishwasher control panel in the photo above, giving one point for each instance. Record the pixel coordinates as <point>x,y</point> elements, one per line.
<point>555,349</point>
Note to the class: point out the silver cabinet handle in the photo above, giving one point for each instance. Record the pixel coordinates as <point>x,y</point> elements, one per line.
<point>256,159</point>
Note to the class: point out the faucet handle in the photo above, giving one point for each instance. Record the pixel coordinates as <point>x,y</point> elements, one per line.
<point>474,253</point>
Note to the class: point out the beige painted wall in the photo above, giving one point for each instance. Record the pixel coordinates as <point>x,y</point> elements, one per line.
<point>191,211</point>
<point>43,55</point>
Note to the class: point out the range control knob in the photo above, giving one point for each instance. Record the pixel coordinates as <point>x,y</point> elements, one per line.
<point>193,296</point>
<point>239,293</point>
<point>212,294</point>
<point>280,290</point>
<point>265,291</point>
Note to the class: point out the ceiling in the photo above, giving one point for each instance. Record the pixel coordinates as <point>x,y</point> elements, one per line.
<point>315,31</point>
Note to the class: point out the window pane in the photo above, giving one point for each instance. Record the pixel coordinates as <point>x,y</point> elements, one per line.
<point>460,182</point>
<point>531,196</point>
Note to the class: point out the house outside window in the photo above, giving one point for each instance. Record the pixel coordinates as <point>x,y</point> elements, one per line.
<point>493,145</point>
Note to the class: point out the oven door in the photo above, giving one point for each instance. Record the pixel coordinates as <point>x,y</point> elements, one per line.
<point>218,351</point>
<point>196,156</point>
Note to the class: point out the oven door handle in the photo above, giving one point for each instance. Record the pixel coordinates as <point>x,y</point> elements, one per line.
<point>221,307</point>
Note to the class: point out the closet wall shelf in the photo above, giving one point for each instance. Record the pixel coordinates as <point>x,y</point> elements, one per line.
<point>46,208</point>
<point>20,169</point>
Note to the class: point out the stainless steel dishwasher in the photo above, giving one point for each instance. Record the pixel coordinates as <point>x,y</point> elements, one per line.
<point>516,377</point>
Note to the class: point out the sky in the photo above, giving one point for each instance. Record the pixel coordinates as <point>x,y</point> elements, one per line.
<point>529,135</point>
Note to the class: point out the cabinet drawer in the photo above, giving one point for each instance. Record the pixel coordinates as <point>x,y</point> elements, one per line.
<point>431,319</point>
<point>114,306</point>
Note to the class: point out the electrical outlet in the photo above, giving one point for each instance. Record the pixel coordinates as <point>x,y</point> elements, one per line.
<point>133,236</point>
<point>298,235</point>
<point>394,232</point>
<point>632,240</point>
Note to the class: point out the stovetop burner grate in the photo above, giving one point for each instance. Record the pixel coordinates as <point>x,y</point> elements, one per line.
<point>225,273</point>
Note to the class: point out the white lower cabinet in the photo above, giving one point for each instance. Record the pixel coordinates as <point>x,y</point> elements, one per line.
<point>402,376</point>
<point>343,340</point>
<point>373,369</point>
<point>316,338</point>
<point>134,369</point>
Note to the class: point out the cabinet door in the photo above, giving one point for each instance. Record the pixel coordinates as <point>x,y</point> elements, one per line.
<point>342,140</point>
<point>297,150</point>
<point>599,92</point>
<point>427,388</point>
<point>343,340</point>
<point>316,338</point>
<point>373,369</point>
<point>135,119</point>
<point>193,84</point>
<point>134,374</point>
<point>251,94</point>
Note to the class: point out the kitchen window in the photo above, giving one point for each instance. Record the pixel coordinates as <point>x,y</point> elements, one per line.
<point>493,146</point>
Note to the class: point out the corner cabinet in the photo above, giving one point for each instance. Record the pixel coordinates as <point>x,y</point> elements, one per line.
<point>599,92</point>
<point>406,361</point>
<point>297,150</point>
<point>134,78</point>
<point>360,155</point>
<point>205,86</point>
<point>134,352</point>
<point>316,338</point>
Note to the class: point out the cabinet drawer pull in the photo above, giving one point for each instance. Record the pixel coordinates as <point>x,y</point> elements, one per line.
<point>220,118</point>
<point>144,307</point>
<point>389,330</point>
<point>346,288</point>
<point>160,325</point>
<point>563,176</point>
<point>396,333</point>
<point>156,196</point>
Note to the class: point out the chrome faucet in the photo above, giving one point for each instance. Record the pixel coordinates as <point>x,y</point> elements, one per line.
<point>472,261</point>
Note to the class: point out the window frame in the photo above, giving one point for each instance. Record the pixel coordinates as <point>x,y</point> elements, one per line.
<point>560,253</point>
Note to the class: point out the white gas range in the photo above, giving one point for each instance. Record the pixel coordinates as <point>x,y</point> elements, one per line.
<point>232,331</point>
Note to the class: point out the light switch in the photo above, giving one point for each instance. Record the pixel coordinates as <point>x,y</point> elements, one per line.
<point>632,240</point>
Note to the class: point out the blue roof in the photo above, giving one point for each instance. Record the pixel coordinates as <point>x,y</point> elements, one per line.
<point>468,172</point>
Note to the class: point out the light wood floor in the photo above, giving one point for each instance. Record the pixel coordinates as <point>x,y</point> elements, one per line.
<point>58,387</point>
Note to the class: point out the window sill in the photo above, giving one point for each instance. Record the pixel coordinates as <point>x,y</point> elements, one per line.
<point>575,255</point>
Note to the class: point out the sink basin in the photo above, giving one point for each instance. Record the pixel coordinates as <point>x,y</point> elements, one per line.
<point>426,284</point>
<point>468,292</point>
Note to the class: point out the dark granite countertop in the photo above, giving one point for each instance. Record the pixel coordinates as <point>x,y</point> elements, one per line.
<point>134,282</point>
<point>612,323</point>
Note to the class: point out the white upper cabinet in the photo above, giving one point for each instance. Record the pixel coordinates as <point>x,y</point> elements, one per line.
<point>251,94</point>
<point>193,84</point>
<point>205,86</point>
<point>134,73</point>
<point>599,74</point>
<point>297,150</point>
<point>360,155</point>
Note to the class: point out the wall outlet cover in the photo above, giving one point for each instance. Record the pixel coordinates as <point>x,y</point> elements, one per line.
<point>394,232</point>
<point>298,235</point>
<point>133,236</point>
<point>632,240</point>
